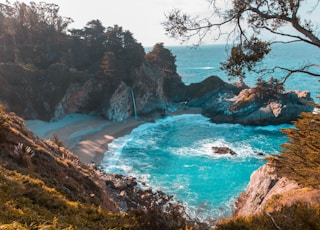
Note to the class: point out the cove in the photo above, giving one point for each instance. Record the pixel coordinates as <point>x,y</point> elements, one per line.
<point>175,155</point>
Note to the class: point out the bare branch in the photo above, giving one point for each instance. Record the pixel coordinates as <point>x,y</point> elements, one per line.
<point>301,70</point>
<point>273,221</point>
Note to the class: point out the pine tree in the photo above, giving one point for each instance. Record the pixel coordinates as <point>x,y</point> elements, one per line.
<point>300,157</point>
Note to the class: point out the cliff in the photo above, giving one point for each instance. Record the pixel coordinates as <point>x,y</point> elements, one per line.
<point>239,104</point>
<point>44,185</point>
<point>52,93</point>
<point>268,192</point>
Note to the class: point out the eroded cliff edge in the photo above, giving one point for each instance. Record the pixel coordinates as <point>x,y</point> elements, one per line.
<point>267,192</point>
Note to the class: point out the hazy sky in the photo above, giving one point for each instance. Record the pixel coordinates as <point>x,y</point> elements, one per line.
<point>141,17</point>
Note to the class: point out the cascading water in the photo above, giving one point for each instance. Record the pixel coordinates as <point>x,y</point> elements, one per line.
<point>134,104</point>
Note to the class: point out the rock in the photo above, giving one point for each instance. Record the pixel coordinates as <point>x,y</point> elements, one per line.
<point>123,193</point>
<point>250,108</point>
<point>223,150</point>
<point>262,187</point>
<point>120,185</point>
<point>120,104</point>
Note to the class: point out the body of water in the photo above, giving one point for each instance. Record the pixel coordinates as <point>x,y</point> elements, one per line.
<point>175,154</point>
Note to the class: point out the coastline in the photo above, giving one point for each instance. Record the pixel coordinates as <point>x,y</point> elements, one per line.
<point>89,137</point>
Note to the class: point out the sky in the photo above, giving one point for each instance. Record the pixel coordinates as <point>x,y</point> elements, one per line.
<point>143,18</point>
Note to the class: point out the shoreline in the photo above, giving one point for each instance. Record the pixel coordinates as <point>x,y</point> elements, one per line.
<point>88,137</point>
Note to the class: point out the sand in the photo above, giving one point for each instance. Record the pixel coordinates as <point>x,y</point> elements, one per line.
<point>88,137</point>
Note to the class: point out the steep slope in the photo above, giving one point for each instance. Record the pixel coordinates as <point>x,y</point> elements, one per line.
<point>43,185</point>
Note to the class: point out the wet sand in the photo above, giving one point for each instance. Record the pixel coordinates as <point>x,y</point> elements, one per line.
<point>89,138</point>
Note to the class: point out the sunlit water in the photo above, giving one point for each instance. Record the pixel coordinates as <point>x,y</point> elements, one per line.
<point>175,154</point>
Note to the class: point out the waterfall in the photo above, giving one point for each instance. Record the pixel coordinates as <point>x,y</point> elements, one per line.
<point>134,104</point>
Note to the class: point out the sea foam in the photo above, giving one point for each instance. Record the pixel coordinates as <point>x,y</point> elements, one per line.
<point>175,155</point>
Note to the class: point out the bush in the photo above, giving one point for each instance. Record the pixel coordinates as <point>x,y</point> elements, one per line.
<point>296,217</point>
<point>2,124</point>
<point>299,159</point>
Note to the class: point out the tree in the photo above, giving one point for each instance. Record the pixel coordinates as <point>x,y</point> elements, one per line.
<point>94,37</point>
<point>31,33</point>
<point>162,57</point>
<point>250,21</point>
<point>124,46</point>
<point>299,159</point>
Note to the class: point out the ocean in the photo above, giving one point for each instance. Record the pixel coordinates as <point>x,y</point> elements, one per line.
<point>175,155</point>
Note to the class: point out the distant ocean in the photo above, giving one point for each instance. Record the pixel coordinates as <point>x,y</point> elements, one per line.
<point>196,64</point>
<point>174,154</point>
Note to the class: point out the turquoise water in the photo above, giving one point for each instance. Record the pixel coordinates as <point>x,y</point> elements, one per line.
<point>174,154</point>
<point>194,65</point>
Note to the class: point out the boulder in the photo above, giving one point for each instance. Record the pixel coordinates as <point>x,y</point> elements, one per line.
<point>250,108</point>
<point>263,185</point>
<point>223,150</point>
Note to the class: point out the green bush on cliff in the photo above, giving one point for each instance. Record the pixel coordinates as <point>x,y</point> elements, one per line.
<point>296,217</point>
<point>300,157</point>
<point>28,203</point>
<point>162,57</point>
<point>2,123</point>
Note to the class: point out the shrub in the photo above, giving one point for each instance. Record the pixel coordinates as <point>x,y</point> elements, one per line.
<point>296,217</point>
<point>2,124</point>
<point>299,159</point>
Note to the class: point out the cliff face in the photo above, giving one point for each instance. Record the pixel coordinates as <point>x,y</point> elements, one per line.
<point>55,92</point>
<point>267,192</point>
<point>115,101</point>
<point>228,103</point>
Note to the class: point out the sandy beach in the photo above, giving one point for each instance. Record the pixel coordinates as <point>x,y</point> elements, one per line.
<point>88,137</point>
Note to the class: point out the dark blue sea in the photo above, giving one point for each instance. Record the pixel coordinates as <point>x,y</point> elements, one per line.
<point>174,154</point>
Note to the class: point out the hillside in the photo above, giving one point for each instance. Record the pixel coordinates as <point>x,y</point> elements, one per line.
<point>44,185</point>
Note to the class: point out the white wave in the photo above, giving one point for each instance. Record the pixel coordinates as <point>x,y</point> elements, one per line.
<point>200,68</point>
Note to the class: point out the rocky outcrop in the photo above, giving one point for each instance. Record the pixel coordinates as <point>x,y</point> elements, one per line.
<point>262,187</point>
<point>223,150</point>
<point>120,104</point>
<point>267,192</point>
<point>229,103</point>
<point>52,93</point>
<point>114,100</point>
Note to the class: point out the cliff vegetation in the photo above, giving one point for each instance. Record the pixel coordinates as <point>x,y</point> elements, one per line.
<point>44,186</point>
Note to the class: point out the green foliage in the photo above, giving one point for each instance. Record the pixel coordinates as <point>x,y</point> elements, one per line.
<point>251,21</point>
<point>300,157</point>
<point>31,33</point>
<point>163,58</point>
<point>244,57</point>
<point>123,52</point>
<point>55,139</point>
<point>296,217</point>
<point>28,202</point>
<point>3,124</point>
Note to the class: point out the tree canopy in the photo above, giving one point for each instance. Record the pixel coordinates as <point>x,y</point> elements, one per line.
<point>31,32</point>
<point>248,22</point>
<point>36,34</point>
<point>162,57</point>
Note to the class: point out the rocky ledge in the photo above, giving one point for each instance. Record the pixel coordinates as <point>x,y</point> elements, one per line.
<point>268,192</point>
<point>238,104</point>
